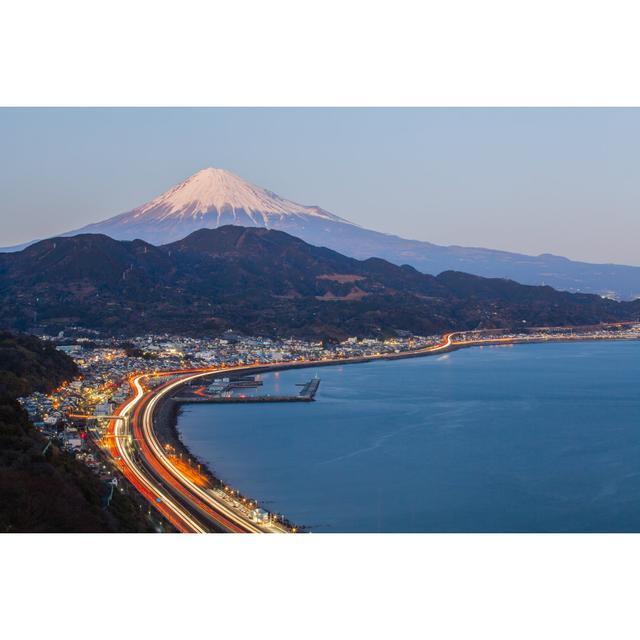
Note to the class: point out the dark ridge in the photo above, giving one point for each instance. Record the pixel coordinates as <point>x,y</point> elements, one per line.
<point>260,281</point>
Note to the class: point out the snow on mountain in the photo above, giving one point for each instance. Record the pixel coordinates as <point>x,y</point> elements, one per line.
<point>209,198</point>
<point>213,198</point>
<point>219,193</point>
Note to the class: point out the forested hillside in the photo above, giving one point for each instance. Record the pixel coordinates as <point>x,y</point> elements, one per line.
<point>47,491</point>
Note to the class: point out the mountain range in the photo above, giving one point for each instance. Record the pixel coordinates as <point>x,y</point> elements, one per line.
<point>266,282</point>
<point>214,197</point>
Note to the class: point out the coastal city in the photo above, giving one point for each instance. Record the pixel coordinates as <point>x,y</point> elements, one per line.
<point>77,416</point>
<point>106,365</point>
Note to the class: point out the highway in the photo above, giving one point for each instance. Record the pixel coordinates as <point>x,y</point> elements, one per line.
<point>123,452</point>
<point>143,460</point>
<point>140,457</point>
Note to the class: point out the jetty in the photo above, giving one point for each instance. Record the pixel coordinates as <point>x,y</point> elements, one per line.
<point>309,389</point>
<point>307,394</point>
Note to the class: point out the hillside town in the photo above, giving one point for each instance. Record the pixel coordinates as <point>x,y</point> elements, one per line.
<point>107,363</point>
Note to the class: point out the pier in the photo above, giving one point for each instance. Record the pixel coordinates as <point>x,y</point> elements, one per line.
<point>307,394</point>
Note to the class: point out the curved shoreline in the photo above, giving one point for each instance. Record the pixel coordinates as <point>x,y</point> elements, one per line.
<point>168,411</point>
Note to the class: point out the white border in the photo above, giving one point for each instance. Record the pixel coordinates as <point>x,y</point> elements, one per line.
<point>320,586</point>
<point>335,52</point>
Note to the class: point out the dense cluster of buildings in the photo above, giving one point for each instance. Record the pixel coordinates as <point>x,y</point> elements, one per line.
<point>106,364</point>
<point>621,331</point>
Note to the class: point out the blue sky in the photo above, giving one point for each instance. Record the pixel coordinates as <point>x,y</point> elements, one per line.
<point>564,181</point>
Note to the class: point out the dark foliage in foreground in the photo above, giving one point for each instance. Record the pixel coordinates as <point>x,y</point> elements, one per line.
<point>46,492</point>
<point>28,364</point>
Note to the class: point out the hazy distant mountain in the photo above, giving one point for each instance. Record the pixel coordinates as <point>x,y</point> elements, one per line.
<point>215,197</point>
<point>265,282</point>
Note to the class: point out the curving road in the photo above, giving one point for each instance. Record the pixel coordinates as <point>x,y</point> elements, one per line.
<point>142,460</point>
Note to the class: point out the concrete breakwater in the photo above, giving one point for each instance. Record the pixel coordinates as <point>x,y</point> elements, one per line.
<point>307,394</point>
<point>239,399</point>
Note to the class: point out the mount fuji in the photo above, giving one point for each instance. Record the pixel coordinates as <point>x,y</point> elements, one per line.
<point>209,199</point>
<point>215,197</point>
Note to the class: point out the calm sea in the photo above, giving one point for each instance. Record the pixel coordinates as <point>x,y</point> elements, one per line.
<point>522,438</point>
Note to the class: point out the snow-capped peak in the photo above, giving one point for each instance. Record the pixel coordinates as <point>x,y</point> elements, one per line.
<point>212,192</point>
<point>209,199</point>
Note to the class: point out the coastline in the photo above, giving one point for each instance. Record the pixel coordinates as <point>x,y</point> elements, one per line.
<point>166,418</point>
